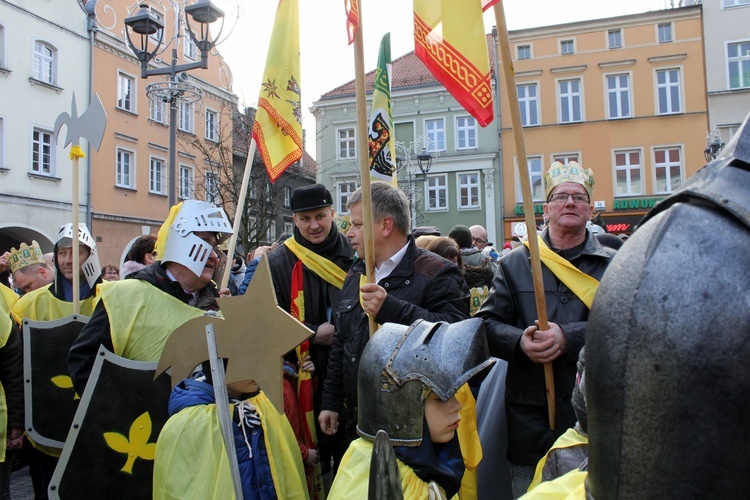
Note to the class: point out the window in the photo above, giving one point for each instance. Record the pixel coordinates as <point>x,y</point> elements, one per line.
<point>567,46</point>
<point>124,169</point>
<point>565,158</point>
<point>665,32</point>
<point>627,173</point>
<point>2,143</point>
<point>534,164</point>
<point>735,3</point>
<point>212,187</point>
<point>44,63</point>
<point>466,132</point>
<point>618,96</point>
<point>468,190</point>
<point>437,192</point>
<point>186,182</point>
<point>41,149</point>
<point>271,232</point>
<point>347,146</point>
<point>668,90</point>
<point>570,101</point>
<point>344,191</point>
<point>212,125</point>
<point>435,132</point>
<point>156,175</point>
<point>160,16</point>
<point>524,52</point>
<point>528,102</point>
<point>287,196</point>
<point>667,169</point>
<point>289,228</point>
<point>738,58</point>
<point>615,39</point>
<point>189,48</point>
<point>2,46</point>
<point>157,111</point>
<point>125,92</point>
<point>186,117</point>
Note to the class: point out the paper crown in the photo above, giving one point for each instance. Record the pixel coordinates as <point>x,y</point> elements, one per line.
<point>572,172</point>
<point>25,256</point>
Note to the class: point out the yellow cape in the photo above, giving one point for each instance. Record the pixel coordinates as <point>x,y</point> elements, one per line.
<point>191,461</point>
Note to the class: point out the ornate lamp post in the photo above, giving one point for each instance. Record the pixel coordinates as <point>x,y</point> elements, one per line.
<point>424,163</point>
<point>176,89</point>
<point>714,145</point>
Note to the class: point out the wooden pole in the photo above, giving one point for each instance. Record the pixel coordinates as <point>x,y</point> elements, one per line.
<point>218,376</point>
<point>364,156</point>
<point>238,212</point>
<point>74,249</point>
<point>528,206</point>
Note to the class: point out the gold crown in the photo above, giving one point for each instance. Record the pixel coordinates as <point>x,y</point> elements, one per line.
<point>25,256</point>
<point>572,172</point>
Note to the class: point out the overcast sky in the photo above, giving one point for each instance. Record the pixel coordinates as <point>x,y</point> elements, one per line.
<point>327,61</point>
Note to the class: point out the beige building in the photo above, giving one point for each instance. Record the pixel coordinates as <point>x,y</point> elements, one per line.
<point>624,96</point>
<point>131,173</point>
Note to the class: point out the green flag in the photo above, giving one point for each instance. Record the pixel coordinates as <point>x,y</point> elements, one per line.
<point>382,143</point>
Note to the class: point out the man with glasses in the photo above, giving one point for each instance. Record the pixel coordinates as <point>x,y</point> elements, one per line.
<point>510,318</point>
<point>144,306</point>
<point>479,237</point>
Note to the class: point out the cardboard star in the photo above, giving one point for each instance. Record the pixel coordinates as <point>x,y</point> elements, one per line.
<point>254,336</point>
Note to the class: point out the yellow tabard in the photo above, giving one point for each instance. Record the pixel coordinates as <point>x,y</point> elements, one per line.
<point>42,305</point>
<point>191,460</point>
<point>142,317</point>
<point>7,299</point>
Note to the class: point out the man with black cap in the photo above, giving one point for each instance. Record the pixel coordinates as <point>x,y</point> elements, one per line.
<point>311,266</point>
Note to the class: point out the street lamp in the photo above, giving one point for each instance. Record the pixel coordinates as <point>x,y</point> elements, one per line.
<point>176,89</point>
<point>714,144</point>
<point>424,162</point>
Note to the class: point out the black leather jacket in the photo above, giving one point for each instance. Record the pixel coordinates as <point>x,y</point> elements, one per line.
<point>422,286</point>
<point>510,308</point>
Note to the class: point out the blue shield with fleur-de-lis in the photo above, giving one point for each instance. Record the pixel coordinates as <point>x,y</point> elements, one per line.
<point>111,446</point>
<point>49,396</point>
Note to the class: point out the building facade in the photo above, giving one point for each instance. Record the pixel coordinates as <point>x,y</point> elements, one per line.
<point>624,96</point>
<point>727,41</point>
<point>44,61</point>
<point>131,172</point>
<point>460,186</point>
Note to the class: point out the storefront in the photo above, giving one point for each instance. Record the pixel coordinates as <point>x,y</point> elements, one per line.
<point>624,217</point>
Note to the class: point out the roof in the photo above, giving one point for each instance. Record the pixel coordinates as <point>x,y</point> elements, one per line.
<point>407,72</point>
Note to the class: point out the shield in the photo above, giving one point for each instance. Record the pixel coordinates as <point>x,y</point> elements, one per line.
<point>110,449</point>
<point>47,384</point>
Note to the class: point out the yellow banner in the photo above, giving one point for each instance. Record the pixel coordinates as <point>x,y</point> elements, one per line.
<point>278,122</point>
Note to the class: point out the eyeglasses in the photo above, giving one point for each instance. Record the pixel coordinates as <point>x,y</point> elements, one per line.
<point>479,240</point>
<point>563,198</point>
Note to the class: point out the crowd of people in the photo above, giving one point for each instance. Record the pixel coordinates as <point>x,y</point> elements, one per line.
<point>446,309</point>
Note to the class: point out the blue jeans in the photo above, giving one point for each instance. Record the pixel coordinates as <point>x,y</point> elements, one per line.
<point>521,477</point>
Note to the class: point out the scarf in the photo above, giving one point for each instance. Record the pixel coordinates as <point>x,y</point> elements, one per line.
<point>441,463</point>
<point>580,283</point>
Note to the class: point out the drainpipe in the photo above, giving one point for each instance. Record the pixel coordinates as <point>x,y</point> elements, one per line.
<point>500,240</point>
<point>89,7</point>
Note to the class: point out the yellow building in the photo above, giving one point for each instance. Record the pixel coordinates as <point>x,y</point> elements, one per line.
<point>130,173</point>
<point>624,96</point>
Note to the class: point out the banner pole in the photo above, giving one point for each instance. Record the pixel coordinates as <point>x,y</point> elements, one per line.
<point>528,205</point>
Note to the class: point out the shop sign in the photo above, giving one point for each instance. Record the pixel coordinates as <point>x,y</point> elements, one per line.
<point>538,209</point>
<point>636,203</point>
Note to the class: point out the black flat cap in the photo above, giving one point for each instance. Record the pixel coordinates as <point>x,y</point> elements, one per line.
<point>310,197</point>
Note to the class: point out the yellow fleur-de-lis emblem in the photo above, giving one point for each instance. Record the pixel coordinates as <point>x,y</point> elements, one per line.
<point>135,447</point>
<point>64,382</point>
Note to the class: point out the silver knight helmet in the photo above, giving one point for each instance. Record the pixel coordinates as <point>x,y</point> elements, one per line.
<point>401,365</point>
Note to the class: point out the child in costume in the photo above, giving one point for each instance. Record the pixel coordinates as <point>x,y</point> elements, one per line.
<point>191,460</point>
<point>407,384</point>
